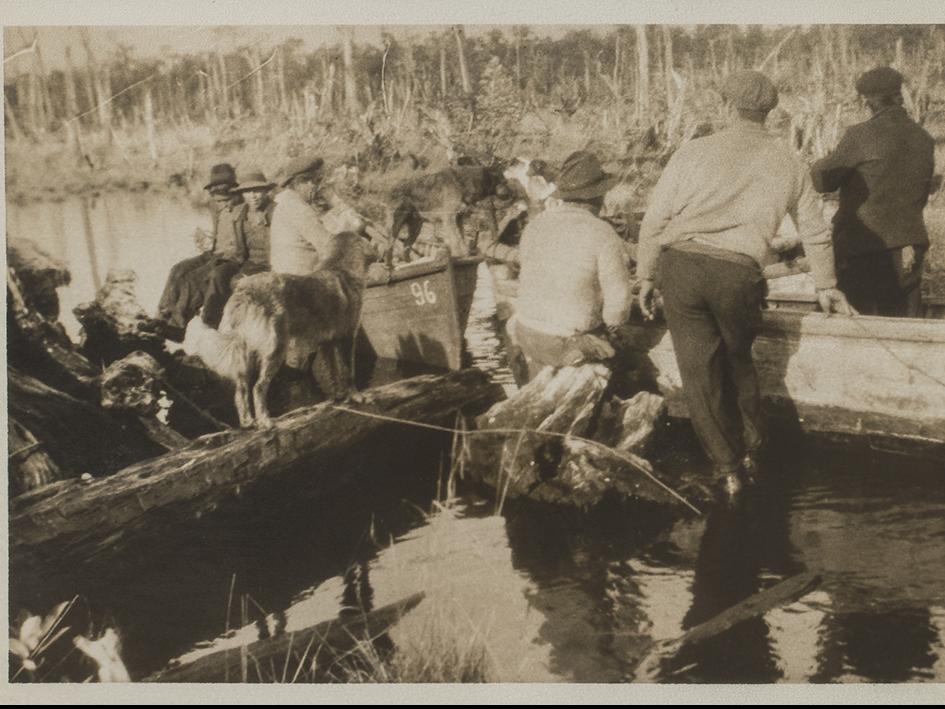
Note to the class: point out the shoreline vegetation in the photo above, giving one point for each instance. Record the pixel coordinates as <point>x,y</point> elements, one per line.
<point>633,94</point>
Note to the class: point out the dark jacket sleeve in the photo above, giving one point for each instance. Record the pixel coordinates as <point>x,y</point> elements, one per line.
<point>829,173</point>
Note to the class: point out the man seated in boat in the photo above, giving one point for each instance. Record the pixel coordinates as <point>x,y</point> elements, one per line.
<point>187,282</point>
<point>883,169</point>
<point>708,230</point>
<point>303,220</point>
<point>248,221</point>
<point>574,279</point>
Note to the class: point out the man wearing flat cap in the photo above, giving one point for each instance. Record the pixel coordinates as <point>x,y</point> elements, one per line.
<point>704,240</point>
<point>883,169</point>
<point>574,279</point>
<point>301,235</point>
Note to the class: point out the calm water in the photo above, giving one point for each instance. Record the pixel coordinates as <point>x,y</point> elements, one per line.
<point>552,595</point>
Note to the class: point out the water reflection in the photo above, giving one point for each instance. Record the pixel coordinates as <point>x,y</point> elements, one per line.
<point>552,594</point>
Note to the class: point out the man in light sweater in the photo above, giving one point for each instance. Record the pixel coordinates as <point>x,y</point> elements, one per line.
<point>708,231</point>
<point>574,279</point>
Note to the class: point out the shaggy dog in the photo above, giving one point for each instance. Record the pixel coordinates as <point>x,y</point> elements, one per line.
<point>442,198</point>
<point>274,319</point>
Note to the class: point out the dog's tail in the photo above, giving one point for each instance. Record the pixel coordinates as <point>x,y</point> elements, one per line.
<point>224,352</point>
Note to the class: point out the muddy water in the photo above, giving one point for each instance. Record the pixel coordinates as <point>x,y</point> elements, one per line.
<point>551,595</point>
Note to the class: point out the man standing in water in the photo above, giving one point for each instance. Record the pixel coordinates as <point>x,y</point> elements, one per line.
<point>708,230</point>
<point>883,169</point>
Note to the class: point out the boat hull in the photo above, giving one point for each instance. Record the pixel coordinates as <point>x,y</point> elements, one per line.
<point>863,376</point>
<point>420,315</point>
<point>882,377</point>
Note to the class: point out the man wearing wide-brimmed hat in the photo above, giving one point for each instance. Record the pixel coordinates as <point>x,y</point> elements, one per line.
<point>883,169</point>
<point>187,282</point>
<point>301,234</point>
<point>247,221</point>
<point>706,235</point>
<point>574,279</point>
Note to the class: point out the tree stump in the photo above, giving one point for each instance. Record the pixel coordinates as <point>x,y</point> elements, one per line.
<point>591,452</point>
<point>114,324</point>
<point>39,275</point>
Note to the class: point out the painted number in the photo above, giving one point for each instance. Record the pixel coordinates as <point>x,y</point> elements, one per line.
<point>422,295</point>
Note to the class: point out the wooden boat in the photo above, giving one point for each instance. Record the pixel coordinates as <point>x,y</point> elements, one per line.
<point>872,376</point>
<point>863,376</point>
<point>419,315</point>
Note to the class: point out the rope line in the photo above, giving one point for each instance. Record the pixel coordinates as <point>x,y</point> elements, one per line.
<point>638,464</point>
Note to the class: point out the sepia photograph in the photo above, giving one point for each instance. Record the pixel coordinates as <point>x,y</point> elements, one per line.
<point>356,346</point>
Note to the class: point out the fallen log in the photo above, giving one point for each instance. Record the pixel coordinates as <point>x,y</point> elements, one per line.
<point>83,522</point>
<point>80,437</point>
<point>780,594</point>
<point>40,347</point>
<point>39,276</point>
<point>29,464</point>
<point>327,641</point>
<point>555,446</point>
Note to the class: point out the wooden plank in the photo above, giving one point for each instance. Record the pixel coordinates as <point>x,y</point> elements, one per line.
<point>84,521</point>
<point>780,594</point>
<point>326,640</point>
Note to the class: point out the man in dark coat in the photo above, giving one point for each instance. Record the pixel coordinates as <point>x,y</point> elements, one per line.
<point>883,169</point>
<point>187,282</point>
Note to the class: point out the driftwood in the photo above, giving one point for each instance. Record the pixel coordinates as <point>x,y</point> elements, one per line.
<point>29,464</point>
<point>39,276</point>
<point>40,347</point>
<point>326,641</point>
<point>576,464</point>
<point>79,437</point>
<point>778,595</point>
<point>114,324</point>
<point>83,522</point>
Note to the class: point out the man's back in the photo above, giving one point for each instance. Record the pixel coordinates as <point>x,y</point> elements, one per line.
<point>574,274</point>
<point>883,168</point>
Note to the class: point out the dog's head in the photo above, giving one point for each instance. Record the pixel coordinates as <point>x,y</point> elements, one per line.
<point>351,253</point>
<point>534,177</point>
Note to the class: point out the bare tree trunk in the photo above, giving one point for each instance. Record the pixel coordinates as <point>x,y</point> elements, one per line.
<point>617,55</point>
<point>280,78</point>
<point>352,105</point>
<point>443,70</point>
<point>11,118</point>
<point>224,85</point>
<point>587,72</point>
<point>643,74</point>
<point>461,50</point>
<point>72,103</point>
<point>518,61</point>
<point>149,125</point>
<point>668,64</point>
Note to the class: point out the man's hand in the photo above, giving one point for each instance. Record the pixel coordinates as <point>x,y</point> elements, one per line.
<point>647,298</point>
<point>834,301</point>
<point>908,259</point>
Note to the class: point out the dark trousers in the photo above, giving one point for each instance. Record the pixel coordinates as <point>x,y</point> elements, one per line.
<point>218,290</point>
<point>184,293</point>
<point>875,283</point>
<point>713,309</point>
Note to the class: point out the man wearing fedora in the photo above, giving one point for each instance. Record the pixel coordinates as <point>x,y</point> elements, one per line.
<point>244,226</point>
<point>883,169</point>
<point>705,238</point>
<point>187,282</point>
<point>574,279</point>
<point>301,234</point>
